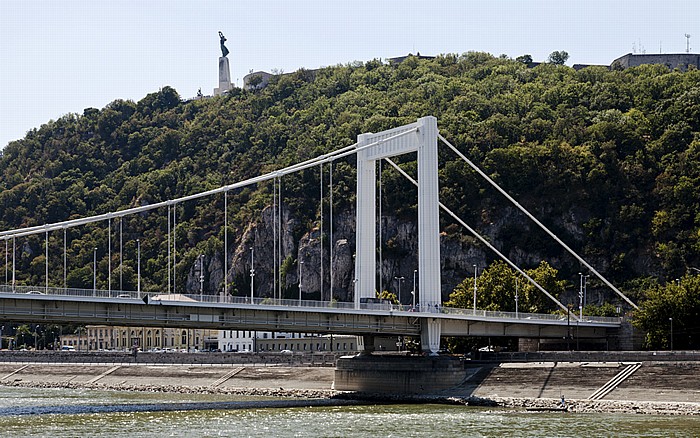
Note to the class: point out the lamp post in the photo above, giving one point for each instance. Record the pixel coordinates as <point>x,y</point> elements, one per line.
<point>94,271</point>
<point>580,297</point>
<point>568,327</point>
<point>138,267</point>
<point>474,288</point>
<point>671,321</point>
<point>415,271</point>
<point>400,279</point>
<point>201,277</point>
<point>300,266</point>
<point>252,274</point>
<point>585,290</point>
<point>516,297</point>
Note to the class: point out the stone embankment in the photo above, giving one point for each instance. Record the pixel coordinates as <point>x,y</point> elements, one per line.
<point>657,387</point>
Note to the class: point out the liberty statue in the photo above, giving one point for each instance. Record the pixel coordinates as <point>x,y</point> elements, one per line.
<point>222,40</point>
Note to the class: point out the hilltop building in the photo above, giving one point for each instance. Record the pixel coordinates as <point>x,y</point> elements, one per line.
<point>683,61</point>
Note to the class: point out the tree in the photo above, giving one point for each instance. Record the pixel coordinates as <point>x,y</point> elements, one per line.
<point>532,300</point>
<point>496,289</point>
<point>558,57</point>
<point>678,301</point>
<point>525,59</point>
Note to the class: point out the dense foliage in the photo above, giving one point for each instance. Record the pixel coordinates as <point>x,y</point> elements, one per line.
<point>610,159</point>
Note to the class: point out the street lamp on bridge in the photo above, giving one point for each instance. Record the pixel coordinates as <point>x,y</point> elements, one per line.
<point>474,288</point>
<point>400,279</point>
<point>413,292</point>
<point>671,321</point>
<point>300,266</point>
<point>201,277</point>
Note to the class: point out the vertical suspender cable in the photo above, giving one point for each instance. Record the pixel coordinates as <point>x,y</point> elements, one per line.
<point>121,258</point>
<point>279,232</point>
<point>169,248</point>
<point>109,256</point>
<point>47,261</point>
<point>14,255</point>
<point>7,259</point>
<point>381,259</point>
<point>65,260</point>
<point>330,225</point>
<point>225,244</point>
<point>174,246</point>
<point>320,234</point>
<point>274,238</point>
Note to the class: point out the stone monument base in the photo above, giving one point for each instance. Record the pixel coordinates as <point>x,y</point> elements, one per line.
<point>224,77</point>
<point>394,374</point>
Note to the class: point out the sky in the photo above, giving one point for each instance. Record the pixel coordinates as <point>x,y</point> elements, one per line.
<point>62,56</point>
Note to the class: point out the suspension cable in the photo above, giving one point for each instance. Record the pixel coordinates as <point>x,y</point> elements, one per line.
<point>279,233</point>
<point>343,152</point>
<point>121,253</point>
<point>174,247</point>
<point>225,245</point>
<point>47,260</point>
<point>381,235</point>
<point>320,234</point>
<point>330,226</point>
<point>485,242</point>
<point>65,260</point>
<point>274,238</point>
<point>534,219</point>
<point>169,254</point>
<point>109,256</point>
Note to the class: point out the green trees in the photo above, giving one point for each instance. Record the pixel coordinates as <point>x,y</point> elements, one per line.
<point>496,289</point>
<point>558,57</point>
<point>609,159</point>
<point>677,305</point>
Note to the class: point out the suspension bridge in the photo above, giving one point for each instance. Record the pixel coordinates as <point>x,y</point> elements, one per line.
<point>49,303</point>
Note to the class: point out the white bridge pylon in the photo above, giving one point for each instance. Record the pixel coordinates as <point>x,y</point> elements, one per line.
<point>420,137</point>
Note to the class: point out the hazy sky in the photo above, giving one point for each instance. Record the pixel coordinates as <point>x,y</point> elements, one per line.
<point>58,57</point>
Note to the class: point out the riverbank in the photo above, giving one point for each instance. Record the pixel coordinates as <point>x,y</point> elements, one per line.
<point>301,382</point>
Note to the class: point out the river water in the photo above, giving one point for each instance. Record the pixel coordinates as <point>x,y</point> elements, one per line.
<point>92,413</point>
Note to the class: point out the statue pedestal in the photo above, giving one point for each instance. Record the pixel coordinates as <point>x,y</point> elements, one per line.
<point>224,77</point>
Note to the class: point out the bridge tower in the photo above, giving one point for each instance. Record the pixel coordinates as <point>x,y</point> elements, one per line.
<point>420,137</point>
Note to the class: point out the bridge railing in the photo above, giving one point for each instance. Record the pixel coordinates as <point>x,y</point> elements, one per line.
<point>291,303</point>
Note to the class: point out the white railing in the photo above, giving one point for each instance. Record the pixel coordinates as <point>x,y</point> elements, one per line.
<point>200,299</point>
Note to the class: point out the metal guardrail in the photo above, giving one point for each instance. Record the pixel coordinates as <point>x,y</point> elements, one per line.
<point>196,299</point>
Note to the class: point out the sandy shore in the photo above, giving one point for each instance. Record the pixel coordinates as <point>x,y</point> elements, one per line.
<point>286,382</point>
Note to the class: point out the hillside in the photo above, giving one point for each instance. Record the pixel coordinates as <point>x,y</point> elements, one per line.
<point>610,160</point>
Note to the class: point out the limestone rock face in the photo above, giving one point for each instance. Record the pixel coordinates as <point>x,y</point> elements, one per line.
<point>329,274</point>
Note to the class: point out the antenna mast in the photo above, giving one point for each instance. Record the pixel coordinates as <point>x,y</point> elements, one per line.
<point>687,43</point>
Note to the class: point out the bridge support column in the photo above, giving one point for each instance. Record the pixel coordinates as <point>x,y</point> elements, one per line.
<point>430,329</point>
<point>365,344</point>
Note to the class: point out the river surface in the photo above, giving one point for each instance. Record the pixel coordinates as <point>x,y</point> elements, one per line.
<point>54,413</point>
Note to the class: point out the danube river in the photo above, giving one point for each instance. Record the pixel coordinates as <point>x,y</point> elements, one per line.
<point>26,412</point>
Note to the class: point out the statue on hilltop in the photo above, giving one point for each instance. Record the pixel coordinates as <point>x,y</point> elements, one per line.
<point>222,40</point>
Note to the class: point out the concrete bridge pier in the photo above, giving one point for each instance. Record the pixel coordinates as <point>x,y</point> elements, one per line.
<point>365,344</point>
<point>397,374</point>
<point>430,336</point>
